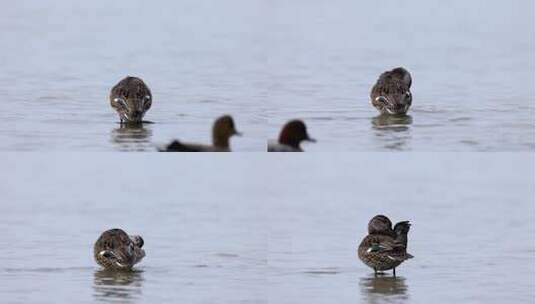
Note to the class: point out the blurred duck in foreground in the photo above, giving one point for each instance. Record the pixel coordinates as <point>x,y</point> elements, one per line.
<point>384,248</point>
<point>131,98</point>
<point>391,94</point>
<point>116,250</point>
<point>290,138</point>
<point>222,131</point>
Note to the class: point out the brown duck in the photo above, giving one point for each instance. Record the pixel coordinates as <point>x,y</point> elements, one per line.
<point>116,250</point>
<point>222,130</point>
<point>384,248</point>
<point>131,98</point>
<point>391,94</point>
<point>292,134</point>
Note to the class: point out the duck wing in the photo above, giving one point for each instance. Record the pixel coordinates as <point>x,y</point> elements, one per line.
<point>383,246</point>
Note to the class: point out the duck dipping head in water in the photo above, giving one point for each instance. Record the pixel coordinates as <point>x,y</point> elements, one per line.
<point>131,98</point>
<point>391,94</point>
<point>116,250</point>
<point>292,134</point>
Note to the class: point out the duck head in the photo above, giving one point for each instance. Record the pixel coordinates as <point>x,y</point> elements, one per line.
<point>391,94</point>
<point>131,98</point>
<point>223,130</point>
<point>380,224</point>
<point>293,133</point>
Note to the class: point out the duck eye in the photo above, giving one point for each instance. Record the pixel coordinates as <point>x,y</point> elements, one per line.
<point>408,94</point>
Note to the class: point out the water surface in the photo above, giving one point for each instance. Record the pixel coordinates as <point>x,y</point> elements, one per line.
<point>61,58</point>
<point>267,228</point>
<point>471,64</point>
<point>266,62</point>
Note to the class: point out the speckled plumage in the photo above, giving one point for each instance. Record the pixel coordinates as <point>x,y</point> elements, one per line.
<point>131,99</point>
<point>391,93</point>
<point>116,250</point>
<point>384,248</point>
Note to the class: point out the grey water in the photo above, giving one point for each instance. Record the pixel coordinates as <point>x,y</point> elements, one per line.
<point>471,64</point>
<point>201,246</point>
<point>266,62</point>
<point>267,228</point>
<point>59,60</point>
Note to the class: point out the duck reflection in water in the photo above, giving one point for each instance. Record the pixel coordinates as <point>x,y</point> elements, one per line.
<point>117,286</point>
<point>392,122</point>
<point>393,131</point>
<point>132,137</point>
<point>384,289</point>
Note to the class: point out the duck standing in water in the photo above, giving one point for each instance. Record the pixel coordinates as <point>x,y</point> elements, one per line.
<point>391,94</point>
<point>222,131</point>
<point>116,250</point>
<point>290,138</point>
<point>384,248</point>
<point>131,98</point>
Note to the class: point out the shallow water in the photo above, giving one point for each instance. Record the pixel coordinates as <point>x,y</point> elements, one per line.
<point>201,246</point>
<point>277,229</point>
<point>266,62</point>
<point>471,64</point>
<point>61,58</point>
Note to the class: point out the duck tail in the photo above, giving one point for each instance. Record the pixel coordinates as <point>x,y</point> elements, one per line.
<point>402,228</point>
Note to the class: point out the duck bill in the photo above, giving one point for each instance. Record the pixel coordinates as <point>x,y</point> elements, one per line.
<point>131,119</point>
<point>238,133</point>
<point>134,118</point>
<point>310,139</point>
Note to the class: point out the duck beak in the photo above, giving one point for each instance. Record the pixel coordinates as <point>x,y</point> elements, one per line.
<point>238,133</point>
<point>310,139</point>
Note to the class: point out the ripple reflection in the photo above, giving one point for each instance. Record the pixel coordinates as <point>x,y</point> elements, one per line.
<point>393,131</point>
<point>113,286</point>
<point>132,137</point>
<point>384,289</point>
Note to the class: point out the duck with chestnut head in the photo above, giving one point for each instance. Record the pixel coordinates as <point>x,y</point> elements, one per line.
<point>222,130</point>
<point>131,99</point>
<point>384,248</point>
<point>292,134</point>
<point>391,93</point>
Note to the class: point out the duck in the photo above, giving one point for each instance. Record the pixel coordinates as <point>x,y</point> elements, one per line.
<point>292,134</point>
<point>391,94</point>
<point>116,250</point>
<point>131,99</point>
<point>222,130</point>
<point>384,248</point>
